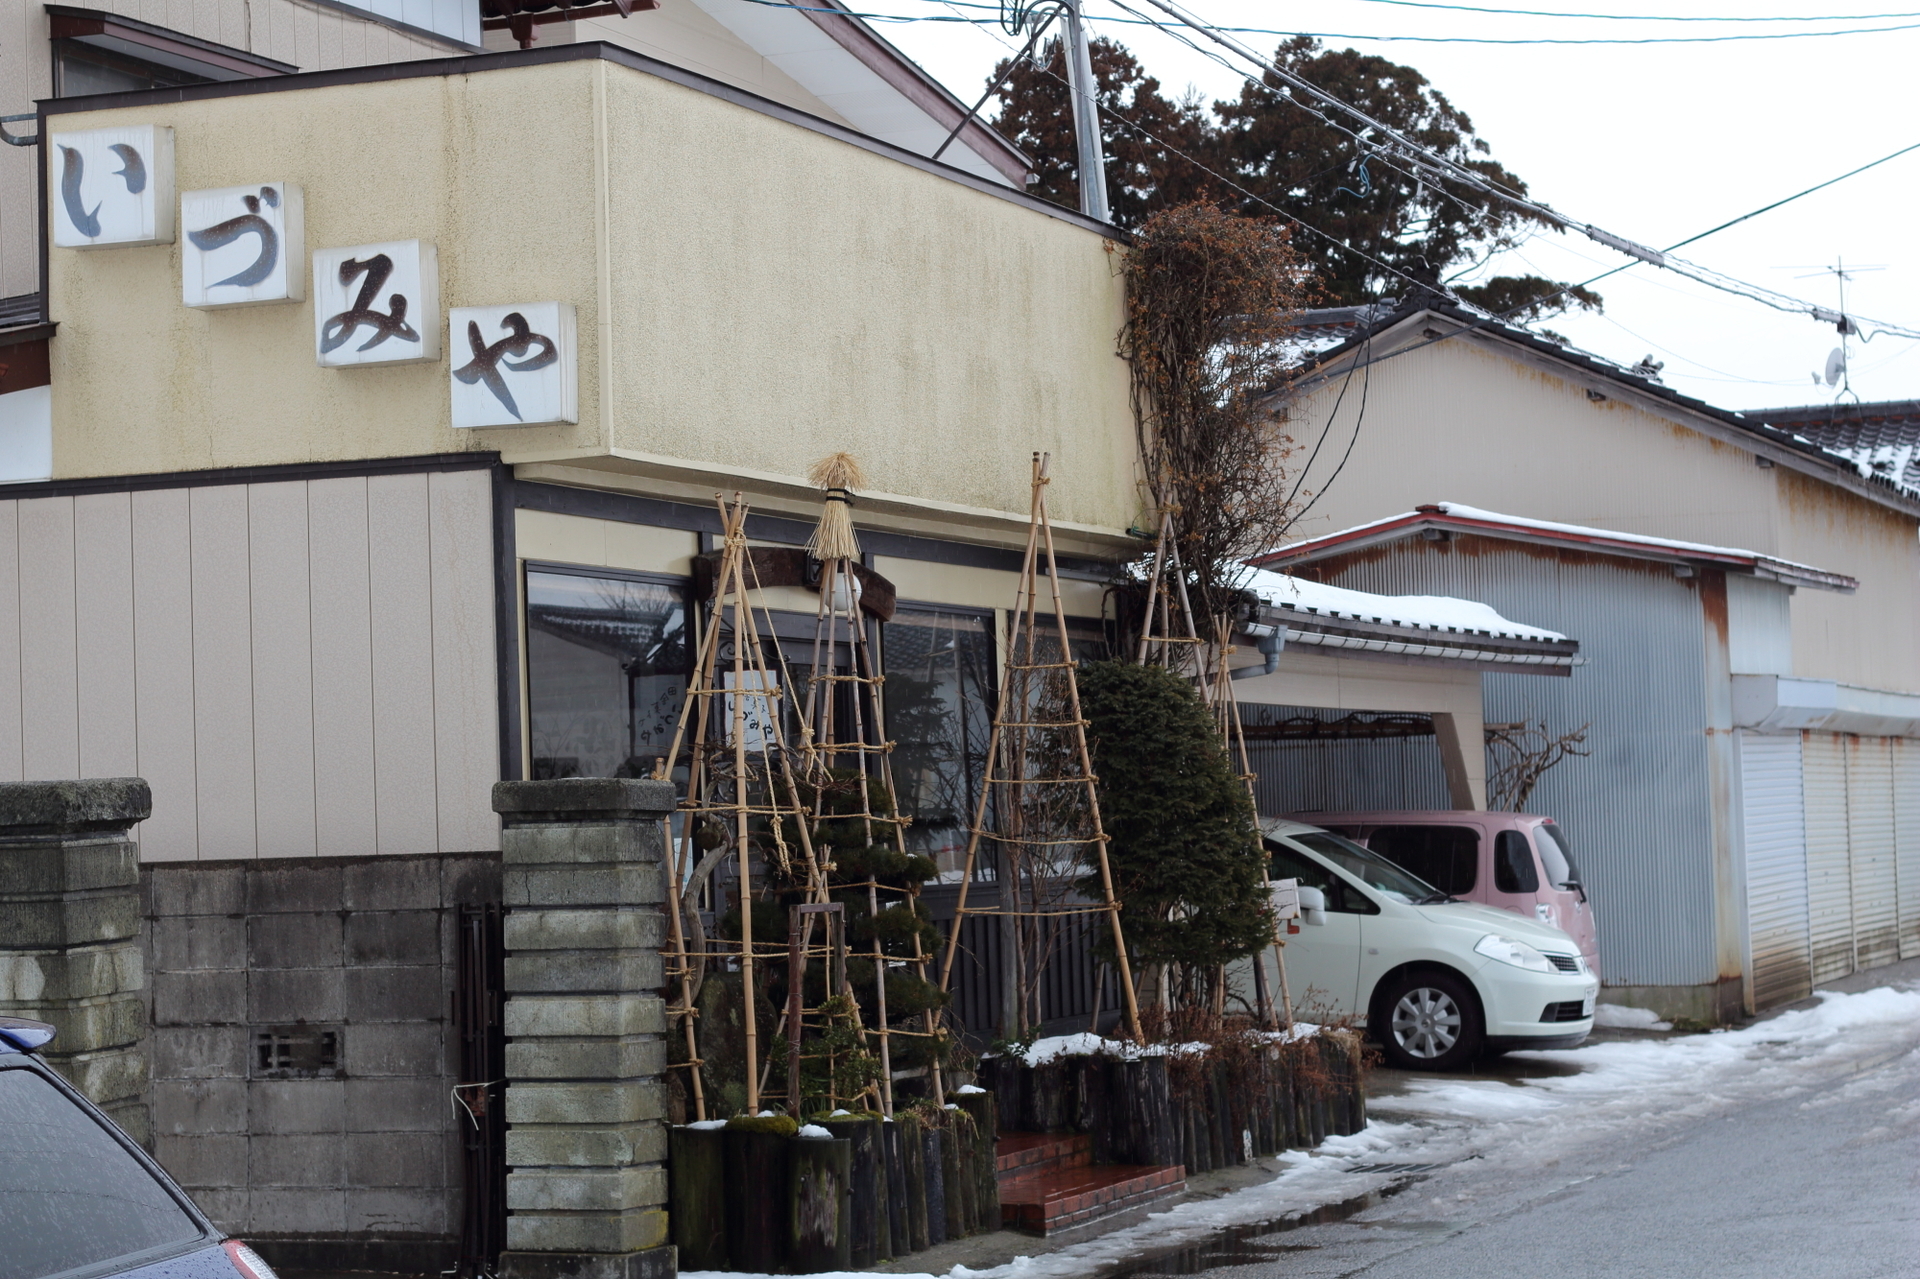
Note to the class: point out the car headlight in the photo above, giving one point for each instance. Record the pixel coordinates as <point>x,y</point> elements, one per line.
<point>1509,951</point>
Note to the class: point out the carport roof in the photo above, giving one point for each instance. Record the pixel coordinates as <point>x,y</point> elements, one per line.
<point>1440,520</point>
<point>1419,628</point>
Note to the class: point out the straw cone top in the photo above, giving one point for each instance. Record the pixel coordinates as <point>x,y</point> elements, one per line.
<point>839,475</point>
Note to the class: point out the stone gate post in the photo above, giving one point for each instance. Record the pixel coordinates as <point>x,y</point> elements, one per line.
<point>70,934</point>
<point>584,883</point>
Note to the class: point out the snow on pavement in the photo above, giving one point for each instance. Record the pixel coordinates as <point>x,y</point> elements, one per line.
<point>1527,1122</point>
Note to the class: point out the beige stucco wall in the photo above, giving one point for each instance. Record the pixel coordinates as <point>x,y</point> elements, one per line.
<point>751,295</point>
<point>1871,637</point>
<point>1456,421</point>
<point>313,37</point>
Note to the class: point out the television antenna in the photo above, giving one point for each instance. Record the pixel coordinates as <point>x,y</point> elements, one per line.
<point>1839,358</point>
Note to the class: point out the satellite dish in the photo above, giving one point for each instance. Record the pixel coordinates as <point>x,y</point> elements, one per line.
<point>1836,366</point>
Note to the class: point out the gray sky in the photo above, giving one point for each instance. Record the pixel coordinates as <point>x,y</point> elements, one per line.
<point>1653,142</point>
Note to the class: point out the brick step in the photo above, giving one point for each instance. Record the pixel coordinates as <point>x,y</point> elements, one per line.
<point>1049,1201</point>
<point>1019,1153</point>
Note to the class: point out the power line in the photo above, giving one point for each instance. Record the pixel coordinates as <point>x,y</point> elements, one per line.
<point>1287,33</point>
<point>1643,17</point>
<point>1427,161</point>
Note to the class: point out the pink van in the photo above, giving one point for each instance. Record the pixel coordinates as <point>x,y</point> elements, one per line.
<point>1515,861</point>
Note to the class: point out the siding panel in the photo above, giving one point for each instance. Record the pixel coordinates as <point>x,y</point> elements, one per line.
<point>103,571</point>
<point>1906,830</point>
<point>342,667</point>
<point>282,670</point>
<point>1870,852</point>
<point>163,672</point>
<point>11,723</point>
<point>1774,820</point>
<point>1829,877</point>
<point>49,670</point>
<point>466,713</point>
<point>398,556</point>
<point>223,670</point>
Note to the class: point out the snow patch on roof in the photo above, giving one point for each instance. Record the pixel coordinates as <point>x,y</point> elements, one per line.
<point>1426,612</point>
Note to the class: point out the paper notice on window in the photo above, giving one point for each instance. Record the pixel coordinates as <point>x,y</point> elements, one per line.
<point>1286,899</point>
<point>756,709</point>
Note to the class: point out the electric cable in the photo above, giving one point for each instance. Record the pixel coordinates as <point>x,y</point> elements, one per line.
<point>1424,160</point>
<point>1643,17</point>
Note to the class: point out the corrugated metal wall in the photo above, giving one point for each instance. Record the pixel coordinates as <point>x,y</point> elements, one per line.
<point>1870,851</point>
<point>1906,833</point>
<point>1829,876</point>
<point>1638,808</point>
<point>1297,776</point>
<point>1774,822</point>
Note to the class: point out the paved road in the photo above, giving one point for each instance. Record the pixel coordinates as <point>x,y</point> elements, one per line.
<point>1812,1169</point>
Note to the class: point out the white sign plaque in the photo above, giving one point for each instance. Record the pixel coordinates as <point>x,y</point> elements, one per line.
<point>513,365</point>
<point>243,245</point>
<point>111,187</point>
<point>376,304</point>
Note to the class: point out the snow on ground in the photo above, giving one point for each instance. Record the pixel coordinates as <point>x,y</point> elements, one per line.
<point>1523,1121</point>
<point>1622,1017</point>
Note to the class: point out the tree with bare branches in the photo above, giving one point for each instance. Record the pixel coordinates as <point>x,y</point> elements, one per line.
<point>1520,754</point>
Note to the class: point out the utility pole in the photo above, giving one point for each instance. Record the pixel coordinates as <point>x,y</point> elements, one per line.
<point>1090,156</point>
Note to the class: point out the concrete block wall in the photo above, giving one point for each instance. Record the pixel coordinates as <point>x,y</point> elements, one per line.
<point>584,882</point>
<point>69,926</point>
<point>351,1162</point>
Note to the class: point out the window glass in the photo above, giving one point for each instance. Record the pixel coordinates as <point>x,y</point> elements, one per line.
<point>607,666</point>
<point>1341,896</point>
<point>1556,854</point>
<point>1370,868</point>
<point>71,1196</point>
<point>1448,857</point>
<point>81,69</point>
<point>939,703</point>
<point>1513,869</point>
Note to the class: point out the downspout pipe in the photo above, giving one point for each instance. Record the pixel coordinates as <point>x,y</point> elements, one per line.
<point>1271,641</point>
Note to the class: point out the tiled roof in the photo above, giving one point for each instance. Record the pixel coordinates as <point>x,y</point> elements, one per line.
<point>1881,439</point>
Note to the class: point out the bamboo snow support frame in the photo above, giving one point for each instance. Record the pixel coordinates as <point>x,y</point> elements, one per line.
<point>721,778</point>
<point>1010,755</point>
<point>866,741</point>
<point>1215,686</point>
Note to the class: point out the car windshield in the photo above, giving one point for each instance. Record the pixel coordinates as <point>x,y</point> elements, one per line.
<point>1370,868</point>
<point>1557,856</point>
<point>72,1198</point>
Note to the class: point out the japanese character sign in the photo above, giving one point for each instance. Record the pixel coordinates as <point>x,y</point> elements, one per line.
<point>111,187</point>
<point>376,304</point>
<point>243,245</point>
<point>513,365</point>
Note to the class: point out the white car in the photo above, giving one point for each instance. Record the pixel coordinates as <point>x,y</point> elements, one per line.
<point>1437,981</point>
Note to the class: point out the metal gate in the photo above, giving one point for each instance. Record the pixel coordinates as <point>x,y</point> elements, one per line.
<point>478,1007</point>
<point>1870,852</point>
<point>1774,822</point>
<point>1906,835</point>
<point>1829,877</point>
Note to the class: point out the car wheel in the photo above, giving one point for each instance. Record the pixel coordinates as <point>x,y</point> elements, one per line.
<point>1430,1021</point>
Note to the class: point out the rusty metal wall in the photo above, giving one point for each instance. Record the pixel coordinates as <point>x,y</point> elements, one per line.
<point>1638,808</point>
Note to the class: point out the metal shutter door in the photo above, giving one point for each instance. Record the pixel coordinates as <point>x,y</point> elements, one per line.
<point>1906,834</point>
<point>1773,821</point>
<point>1870,851</point>
<point>1823,771</point>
